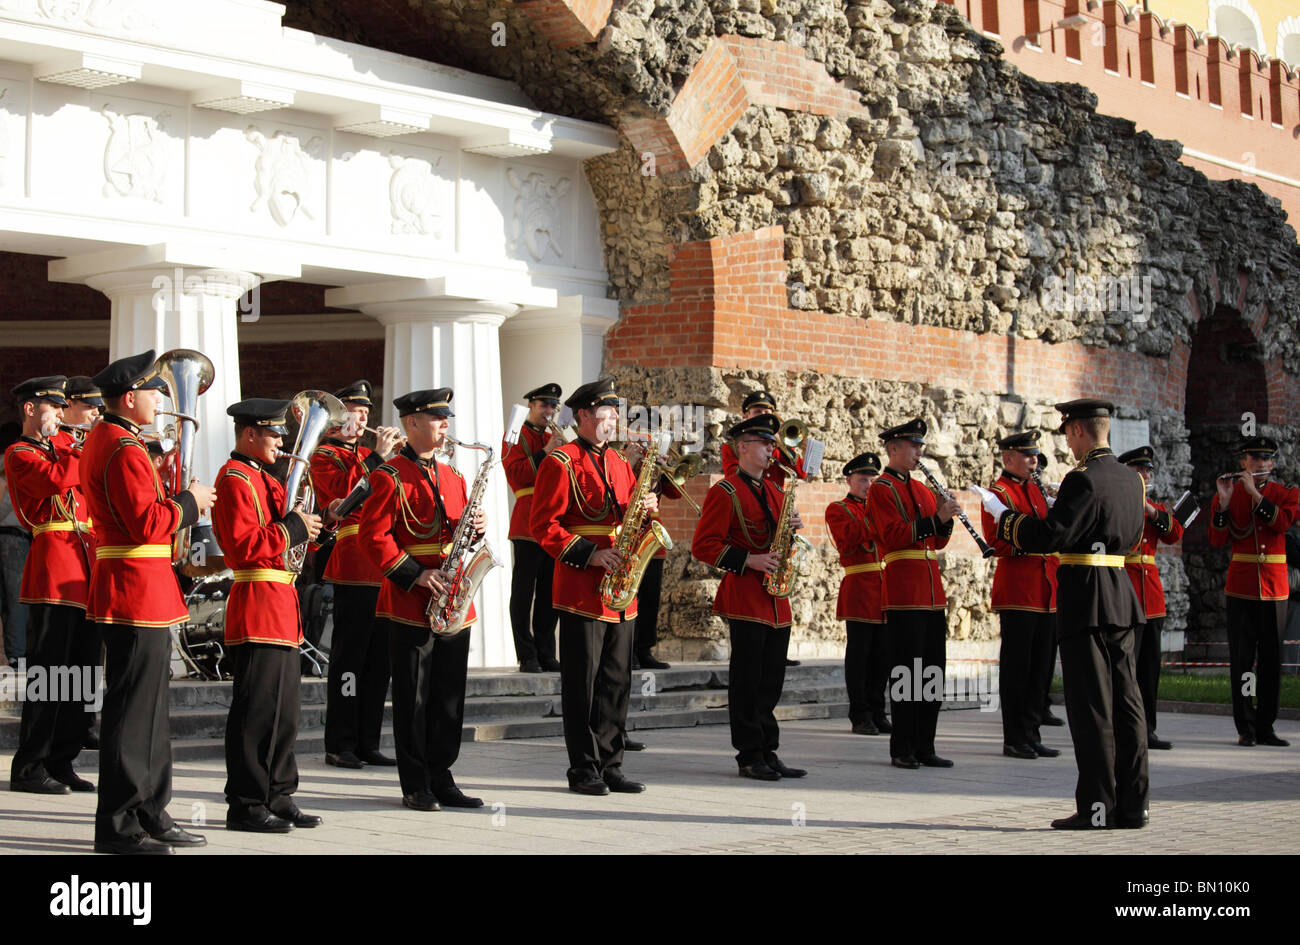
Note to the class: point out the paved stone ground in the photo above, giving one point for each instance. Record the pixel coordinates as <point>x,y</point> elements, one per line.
<point>1208,796</point>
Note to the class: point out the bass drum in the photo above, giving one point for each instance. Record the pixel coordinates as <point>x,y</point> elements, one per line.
<point>206,557</point>
<point>198,645</point>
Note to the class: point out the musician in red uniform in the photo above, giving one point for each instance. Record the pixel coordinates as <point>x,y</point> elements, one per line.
<point>134,599</point>
<point>1024,598</point>
<point>737,526</point>
<point>911,527</point>
<point>1252,512</point>
<point>263,631</point>
<point>414,507</point>
<point>761,403</point>
<point>579,501</point>
<point>1160,527</point>
<point>530,584</point>
<point>358,670</point>
<point>866,652</point>
<point>43,471</point>
<point>85,408</point>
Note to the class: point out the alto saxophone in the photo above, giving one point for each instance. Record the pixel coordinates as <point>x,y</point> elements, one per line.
<point>789,548</point>
<point>447,608</point>
<point>638,538</point>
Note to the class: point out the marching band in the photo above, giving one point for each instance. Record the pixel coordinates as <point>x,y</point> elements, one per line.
<point>400,537</point>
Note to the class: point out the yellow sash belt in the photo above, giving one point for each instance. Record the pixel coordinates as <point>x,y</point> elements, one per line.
<point>264,574</point>
<point>864,568</point>
<point>1094,561</point>
<point>133,551</point>
<point>911,554</point>
<point>1260,558</point>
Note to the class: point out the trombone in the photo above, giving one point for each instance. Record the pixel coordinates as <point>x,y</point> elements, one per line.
<point>679,468</point>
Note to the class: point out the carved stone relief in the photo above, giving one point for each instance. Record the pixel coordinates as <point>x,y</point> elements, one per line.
<point>283,174</point>
<point>536,212</point>
<point>413,196</point>
<point>135,155</point>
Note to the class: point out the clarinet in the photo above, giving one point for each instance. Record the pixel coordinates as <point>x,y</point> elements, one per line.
<point>985,548</point>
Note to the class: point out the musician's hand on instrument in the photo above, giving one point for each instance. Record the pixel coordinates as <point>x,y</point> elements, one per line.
<point>1224,484</point>
<point>313,523</point>
<point>764,563</point>
<point>479,521</point>
<point>331,510</point>
<point>386,440</point>
<point>796,519</point>
<point>635,452</point>
<point>433,580</point>
<point>949,509</point>
<point>606,558</point>
<point>650,502</point>
<point>1151,511</point>
<point>554,443</point>
<point>1248,483</point>
<point>992,504</point>
<point>204,496</point>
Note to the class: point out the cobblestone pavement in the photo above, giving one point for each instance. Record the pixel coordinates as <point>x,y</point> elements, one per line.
<point>1207,796</point>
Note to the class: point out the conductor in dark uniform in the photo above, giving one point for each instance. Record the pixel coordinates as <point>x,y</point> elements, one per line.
<point>1097,519</point>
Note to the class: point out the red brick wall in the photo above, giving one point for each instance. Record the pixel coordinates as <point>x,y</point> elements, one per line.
<point>18,364</point>
<point>281,370</point>
<point>27,294</point>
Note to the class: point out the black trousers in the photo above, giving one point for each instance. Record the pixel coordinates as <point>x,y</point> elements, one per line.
<point>530,595</point>
<point>866,669</point>
<point>1024,673</point>
<point>261,770</point>
<point>428,702</point>
<point>918,659</point>
<point>63,658</point>
<point>1104,709</point>
<point>1045,699</point>
<point>1255,644</point>
<point>647,606</point>
<point>358,675</point>
<point>135,752</point>
<point>595,679</point>
<point>1148,668</point>
<point>755,680</point>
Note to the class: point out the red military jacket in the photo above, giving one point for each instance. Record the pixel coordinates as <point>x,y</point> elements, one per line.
<point>862,590</point>
<point>735,521</point>
<point>521,461</point>
<point>406,524</point>
<point>1257,570</point>
<point>731,463</point>
<point>335,468</point>
<point>575,515</point>
<point>132,581</point>
<point>1022,580</point>
<point>44,489</point>
<point>909,535</point>
<point>263,604</point>
<point>1141,564</point>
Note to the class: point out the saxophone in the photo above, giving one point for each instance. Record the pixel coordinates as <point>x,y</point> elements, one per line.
<point>447,609</point>
<point>638,539</point>
<point>790,549</point>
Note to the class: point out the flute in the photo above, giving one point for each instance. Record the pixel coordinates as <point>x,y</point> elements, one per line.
<point>986,550</point>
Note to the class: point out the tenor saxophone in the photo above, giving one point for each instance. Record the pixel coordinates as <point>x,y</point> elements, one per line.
<point>789,547</point>
<point>637,540</point>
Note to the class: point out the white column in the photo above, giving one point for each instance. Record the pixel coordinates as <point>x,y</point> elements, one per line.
<point>184,308</point>
<point>432,343</point>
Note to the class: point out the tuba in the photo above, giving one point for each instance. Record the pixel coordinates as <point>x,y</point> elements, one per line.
<point>316,412</point>
<point>636,541</point>
<point>187,374</point>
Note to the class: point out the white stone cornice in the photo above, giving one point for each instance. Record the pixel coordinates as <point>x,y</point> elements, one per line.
<point>86,70</point>
<point>459,311</point>
<point>505,289</point>
<point>183,254</point>
<point>269,329</point>
<point>242,98</point>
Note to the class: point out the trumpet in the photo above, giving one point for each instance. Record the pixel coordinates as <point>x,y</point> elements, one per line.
<point>77,430</point>
<point>365,429</point>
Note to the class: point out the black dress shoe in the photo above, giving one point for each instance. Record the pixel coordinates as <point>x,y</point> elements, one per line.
<point>649,662</point>
<point>177,837</point>
<point>1155,741</point>
<point>134,845</point>
<point>934,761</point>
<point>90,741</point>
<point>790,662</point>
<point>1043,751</point>
<point>1049,719</point>
<point>621,785</point>
<point>633,745</point>
<point>74,781</point>
<point>1019,751</point>
<point>550,664</point>
<point>907,761</point>
<point>785,771</point>
<point>421,800</point>
<point>592,786</point>
<point>449,795</point>
<point>1130,821</point>
<point>635,663</point>
<point>1268,738</point>
<point>1246,741</point>
<point>262,821</point>
<point>40,785</point>
<point>866,727</point>
<point>343,759</point>
<point>1079,822</point>
<point>760,771</point>
<point>530,666</point>
<point>375,757</point>
<point>883,725</point>
<point>296,817</point>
